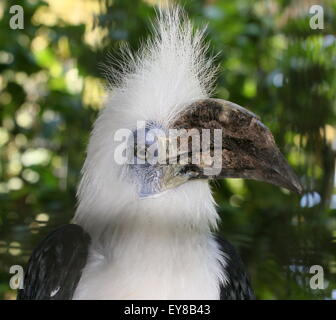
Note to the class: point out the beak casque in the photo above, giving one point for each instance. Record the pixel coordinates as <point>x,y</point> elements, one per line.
<point>248,147</point>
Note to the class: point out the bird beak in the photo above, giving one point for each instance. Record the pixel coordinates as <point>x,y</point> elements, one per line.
<point>245,148</point>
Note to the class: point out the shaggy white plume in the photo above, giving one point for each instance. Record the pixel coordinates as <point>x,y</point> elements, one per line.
<point>170,70</point>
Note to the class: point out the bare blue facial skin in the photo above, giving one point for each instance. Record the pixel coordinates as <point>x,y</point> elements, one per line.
<point>148,180</point>
<point>148,177</point>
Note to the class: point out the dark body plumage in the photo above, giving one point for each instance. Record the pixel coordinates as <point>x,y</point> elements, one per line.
<point>239,287</point>
<point>56,265</point>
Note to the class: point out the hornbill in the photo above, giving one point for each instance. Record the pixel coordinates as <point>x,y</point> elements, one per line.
<point>145,230</point>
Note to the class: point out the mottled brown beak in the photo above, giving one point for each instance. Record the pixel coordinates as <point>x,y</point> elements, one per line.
<point>248,147</point>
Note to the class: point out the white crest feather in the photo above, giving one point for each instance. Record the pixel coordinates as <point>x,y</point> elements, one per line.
<point>170,70</point>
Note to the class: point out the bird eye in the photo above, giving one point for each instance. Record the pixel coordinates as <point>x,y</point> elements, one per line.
<point>146,145</point>
<point>141,153</point>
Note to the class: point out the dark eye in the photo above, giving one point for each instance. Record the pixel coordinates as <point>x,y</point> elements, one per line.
<point>140,152</point>
<point>146,146</point>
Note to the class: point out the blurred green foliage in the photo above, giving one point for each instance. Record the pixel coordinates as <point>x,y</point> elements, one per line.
<point>270,61</point>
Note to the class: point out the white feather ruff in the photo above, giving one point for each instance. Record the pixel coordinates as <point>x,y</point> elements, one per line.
<point>159,248</point>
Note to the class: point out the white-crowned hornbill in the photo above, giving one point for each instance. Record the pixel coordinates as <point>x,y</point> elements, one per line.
<point>144,230</point>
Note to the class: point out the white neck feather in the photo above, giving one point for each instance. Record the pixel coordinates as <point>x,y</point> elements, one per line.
<point>156,249</point>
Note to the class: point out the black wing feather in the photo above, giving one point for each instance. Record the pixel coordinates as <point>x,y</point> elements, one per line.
<point>56,265</point>
<point>238,287</point>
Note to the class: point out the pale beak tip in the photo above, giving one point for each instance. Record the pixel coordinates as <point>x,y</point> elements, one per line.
<point>297,187</point>
<point>294,184</point>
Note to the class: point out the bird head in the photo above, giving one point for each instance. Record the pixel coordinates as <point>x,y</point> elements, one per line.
<point>161,132</point>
